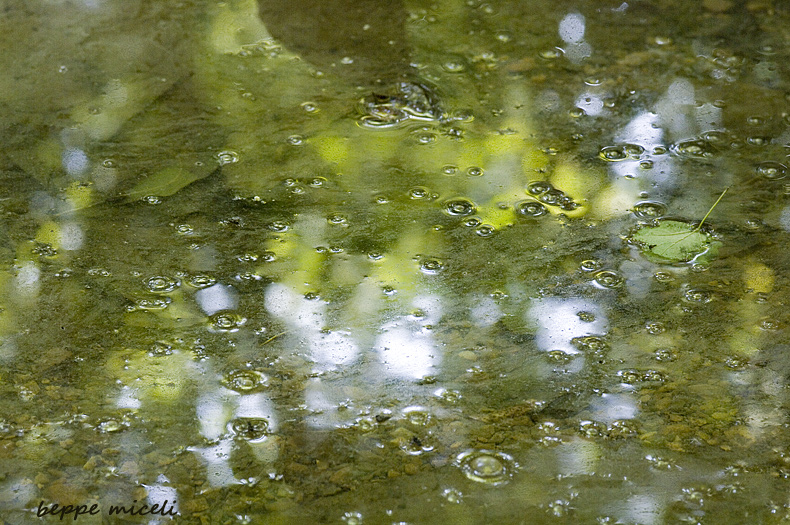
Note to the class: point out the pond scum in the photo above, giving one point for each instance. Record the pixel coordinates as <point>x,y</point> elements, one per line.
<point>435,263</point>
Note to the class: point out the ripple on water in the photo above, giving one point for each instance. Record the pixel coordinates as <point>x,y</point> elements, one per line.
<point>161,284</point>
<point>249,428</point>
<point>459,207</point>
<point>531,209</point>
<point>245,380</point>
<point>226,321</point>
<point>485,466</point>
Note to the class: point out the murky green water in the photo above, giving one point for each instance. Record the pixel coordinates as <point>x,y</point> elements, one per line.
<point>433,262</point>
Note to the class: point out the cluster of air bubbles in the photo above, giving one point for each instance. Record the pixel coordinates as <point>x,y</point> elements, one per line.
<point>227,157</point>
<point>419,192</point>
<point>352,518</point>
<point>449,396</point>
<point>249,428</point>
<point>694,148</point>
<point>664,277</point>
<point>531,209</point>
<point>199,280</point>
<point>416,446</point>
<point>621,152</point>
<point>649,210</point>
<point>44,250</point>
<point>590,343</point>
<point>226,321</point>
<point>697,296</point>
<point>459,207</point>
<point>608,279</point>
<point>631,376</point>
<point>278,226</point>
<point>267,47</point>
<point>161,284</point>
<point>407,101</point>
<point>160,349</point>
<point>551,196</point>
<point>111,425</point>
<point>148,303</point>
<point>666,355</point>
<point>485,466</point>
<point>453,495</point>
<point>245,380</point>
<point>417,416</point>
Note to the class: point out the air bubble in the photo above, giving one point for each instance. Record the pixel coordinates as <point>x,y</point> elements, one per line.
<point>245,380</point>
<point>417,416</point>
<point>295,140</point>
<point>697,296</point>
<point>200,281</point>
<point>484,466</point>
<point>590,265</point>
<point>418,193</point>
<point>608,279</point>
<point>309,107</point>
<point>336,218</point>
<point>474,171</point>
<point>531,209</point>
<point>459,207</point>
<point>226,321</point>
<point>249,428</point>
<point>449,169</point>
<point>160,284</point>
<point>649,209</point>
<point>110,425</point>
<point>227,157</point>
<point>278,226</point>
<point>159,303</point>
<point>692,148</point>
<point>590,343</point>
<point>431,266</point>
<point>485,230</point>
<point>771,170</point>
<point>539,187</point>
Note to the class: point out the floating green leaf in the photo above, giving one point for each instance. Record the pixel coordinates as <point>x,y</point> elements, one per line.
<point>674,241</point>
<point>163,183</point>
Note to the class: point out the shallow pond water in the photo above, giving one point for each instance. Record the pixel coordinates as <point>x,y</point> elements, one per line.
<point>439,262</point>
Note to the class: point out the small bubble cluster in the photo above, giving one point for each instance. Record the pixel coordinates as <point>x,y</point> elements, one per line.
<point>249,428</point>
<point>631,376</point>
<point>550,196</point>
<point>621,152</point>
